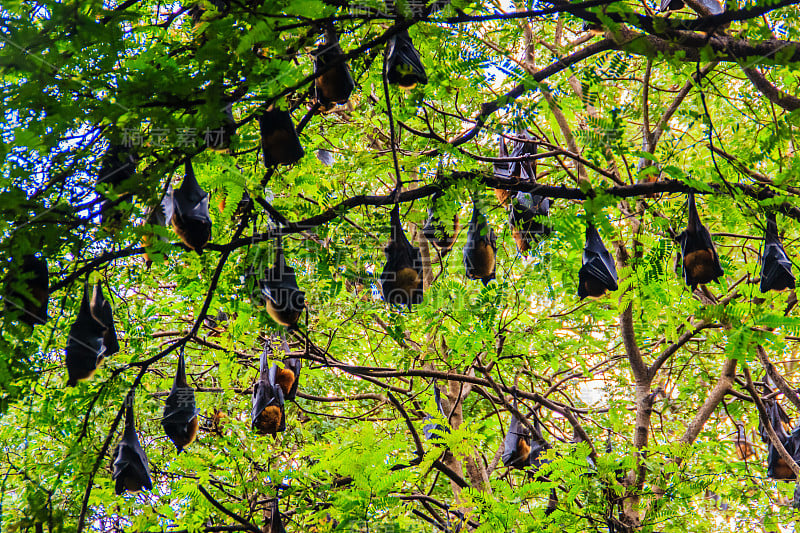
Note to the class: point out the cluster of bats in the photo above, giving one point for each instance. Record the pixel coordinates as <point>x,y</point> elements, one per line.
<point>92,336</point>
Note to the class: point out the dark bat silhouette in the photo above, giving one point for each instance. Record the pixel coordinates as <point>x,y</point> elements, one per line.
<point>671,5</point>
<point>776,269</point>
<point>160,215</point>
<point>700,260</point>
<point>520,449</point>
<point>524,170</point>
<point>598,273</point>
<point>433,430</point>
<point>284,299</point>
<point>502,170</point>
<point>275,521</point>
<point>131,469</point>
<point>779,420</point>
<point>117,168</point>
<point>191,220</point>
<point>334,85</point>
<point>279,141</point>
<point>34,282</point>
<point>441,235</point>
<point>288,377</point>
<point>403,64</point>
<point>525,217</point>
<point>268,416</point>
<point>92,337</point>
<point>180,421</point>
<point>401,279</point>
<point>220,138</point>
<point>480,248</point>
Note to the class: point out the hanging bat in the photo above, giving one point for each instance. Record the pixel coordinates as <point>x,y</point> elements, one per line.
<point>776,269</point>
<point>435,231</point>
<point>524,170</point>
<point>131,469</point>
<point>279,141</point>
<point>401,279</point>
<point>525,215</point>
<point>284,299</point>
<point>502,170</point>
<point>480,248</point>
<point>403,64</point>
<point>700,260</point>
<point>779,420</point>
<point>118,167</point>
<point>180,420</point>
<point>268,416</point>
<point>289,376</point>
<point>744,449</point>
<point>34,282</point>
<point>275,521</point>
<point>160,215</point>
<point>520,449</point>
<point>92,337</point>
<point>191,220</point>
<point>219,138</point>
<point>598,273</point>
<point>433,430</point>
<point>333,85</point>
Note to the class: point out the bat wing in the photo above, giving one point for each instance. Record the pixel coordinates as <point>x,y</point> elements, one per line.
<point>526,213</point>
<point>280,286</point>
<point>433,430</point>
<point>516,431</point>
<point>131,468</point>
<point>502,170</point>
<point>776,268</point>
<point>403,262</point>
<point>480,249</point>
<point>598,272</point>
<point>404,65</point>
<point>523,148</point>
<point>335,84</point>
<point>85,345</point>
<point>294,364</point>
<point>103,314</point>
<point>279,142</point>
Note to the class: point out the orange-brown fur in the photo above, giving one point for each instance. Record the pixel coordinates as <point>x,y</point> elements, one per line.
<point>523,450</point>
<point>285,379</point>
<point>407,279</point>
<point>269,420</point>
<point>193,426</point>
<point>284,317</point>
<point>483,260</point>
<point>594,289</point>
<point>782,471</point>
<point>276,144</point>
<point>744,450</point>
<point>700,265</point>
<point>522,244</point>
<point>503,196</point>
<point>329,82</point>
